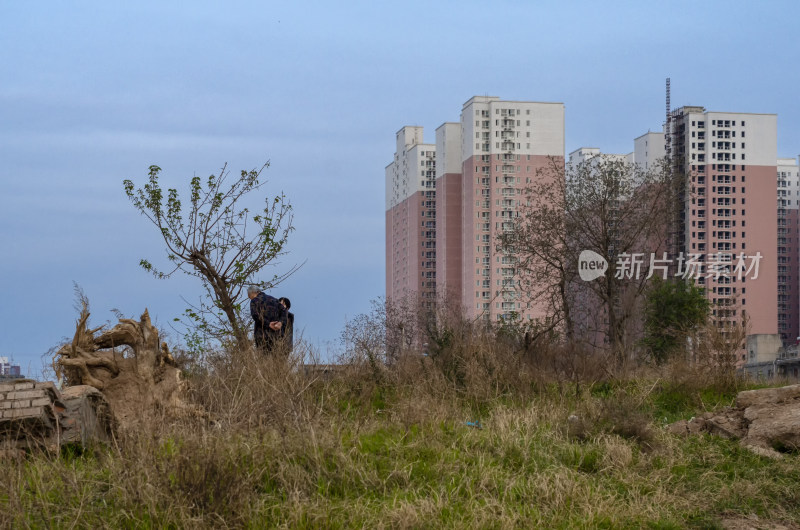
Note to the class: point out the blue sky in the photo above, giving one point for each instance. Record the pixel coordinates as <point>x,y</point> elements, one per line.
<point>94,92</point>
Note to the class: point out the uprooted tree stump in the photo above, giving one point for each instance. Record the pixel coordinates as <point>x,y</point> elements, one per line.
<point>128,364</point>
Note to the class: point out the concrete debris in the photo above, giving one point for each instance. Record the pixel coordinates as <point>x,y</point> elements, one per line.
<point>765,420</point>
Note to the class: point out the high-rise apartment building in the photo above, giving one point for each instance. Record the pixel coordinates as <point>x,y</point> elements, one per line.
<point>788,186</point>
<point>506,145</point>
<point>447,203</point>
<point>8,368</point>
<point>727,208</point>
<point>482,164</point>
<point>411,217</point>
<point>448,208</point>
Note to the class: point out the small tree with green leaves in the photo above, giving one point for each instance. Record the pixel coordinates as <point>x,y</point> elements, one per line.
<point>675,309</point>
<point>216,239</point>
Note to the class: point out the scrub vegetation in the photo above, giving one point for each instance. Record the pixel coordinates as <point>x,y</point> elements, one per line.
<point>485,430</point>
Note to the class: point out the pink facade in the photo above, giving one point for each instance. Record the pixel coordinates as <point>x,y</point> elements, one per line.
<point>404,271</point>
<point>448,235</point>
<point>759,296</point>
<point>493,188</point>
<point>720,224</point>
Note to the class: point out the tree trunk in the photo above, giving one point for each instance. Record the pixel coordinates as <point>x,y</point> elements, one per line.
<point>129,364</point>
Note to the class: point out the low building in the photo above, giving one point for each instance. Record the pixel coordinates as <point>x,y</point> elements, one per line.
<point>767,358</point>
<point>9,370</point>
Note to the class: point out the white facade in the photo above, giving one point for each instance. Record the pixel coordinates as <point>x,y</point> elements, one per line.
<point>448,148</point>
<point>788,183</point>
<point>538,128</point>
<point>406,175</point>
<point>582,154</point>
<point>648,149</point>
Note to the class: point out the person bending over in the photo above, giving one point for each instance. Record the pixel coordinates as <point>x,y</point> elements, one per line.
<point>269,317</point>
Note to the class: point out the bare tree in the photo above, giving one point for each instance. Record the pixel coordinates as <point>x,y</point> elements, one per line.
<point>605,205</point>
<point>715,347</point>
<point>218,241</point>
<point>540,244</point>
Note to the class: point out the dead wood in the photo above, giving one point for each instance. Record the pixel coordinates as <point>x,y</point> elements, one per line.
<point>129,364</point>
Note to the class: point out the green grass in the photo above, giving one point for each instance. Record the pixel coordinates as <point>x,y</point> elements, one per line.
<point>361,466</point>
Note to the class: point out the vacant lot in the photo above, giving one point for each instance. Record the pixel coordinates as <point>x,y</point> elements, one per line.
<point>411,446</point>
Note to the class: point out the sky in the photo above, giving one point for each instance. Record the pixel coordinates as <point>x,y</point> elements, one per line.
<point>92,93</point>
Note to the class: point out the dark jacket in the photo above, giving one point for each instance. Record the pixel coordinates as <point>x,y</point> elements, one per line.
<point>265,309</point>
<point>287,331</point>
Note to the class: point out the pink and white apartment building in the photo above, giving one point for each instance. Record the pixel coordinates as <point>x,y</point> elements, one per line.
<point>482,164</point>
<point>729,161</point>
<point>446,204</point>
<point>411,217</point>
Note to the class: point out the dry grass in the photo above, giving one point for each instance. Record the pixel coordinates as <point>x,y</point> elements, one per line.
<point>477,434</point>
